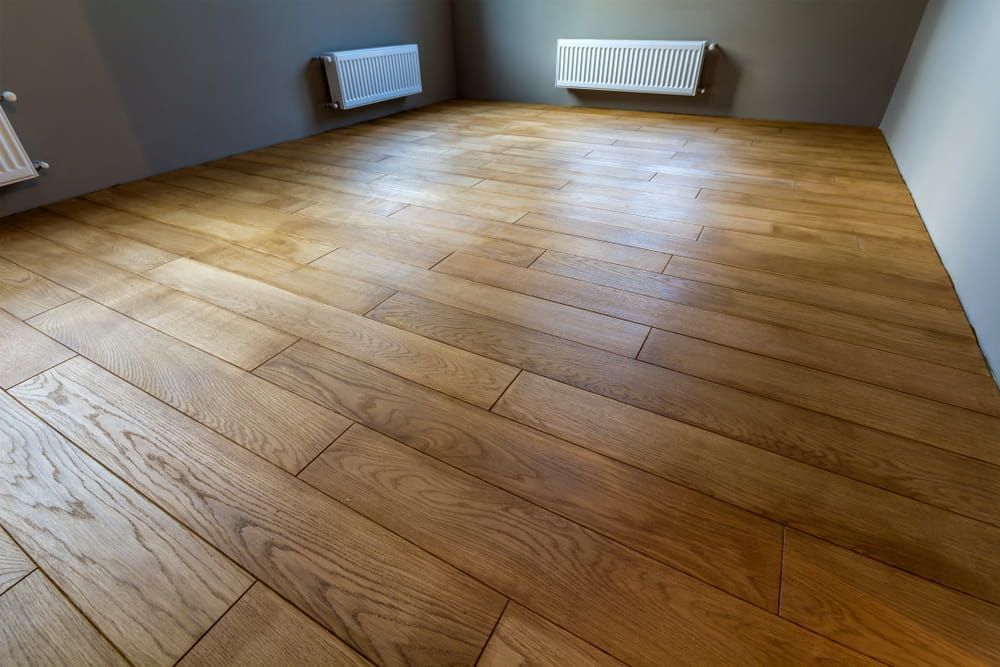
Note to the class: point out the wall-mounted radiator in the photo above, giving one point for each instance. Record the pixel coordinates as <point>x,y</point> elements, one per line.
<point>366,76</point>
<point>15,165</point>
<point>638,66</point>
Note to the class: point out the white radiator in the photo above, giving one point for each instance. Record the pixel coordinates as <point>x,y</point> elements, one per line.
<point>15,165</point>
<point>366,76</point>
<point>671,68</point>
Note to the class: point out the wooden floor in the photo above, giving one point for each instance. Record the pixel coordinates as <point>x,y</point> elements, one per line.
<point>491,383</point>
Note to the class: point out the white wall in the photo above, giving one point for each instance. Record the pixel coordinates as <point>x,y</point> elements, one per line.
<point>943,125</point>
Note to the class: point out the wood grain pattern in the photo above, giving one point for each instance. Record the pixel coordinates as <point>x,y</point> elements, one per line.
<point>24,294</point>
<point>525,638</point>
<point>877,610</point>
<point>587,327</point>
<point>230,337</point>
<point>262,630</point>
<point>387,599</point>
<point>936,544</point>
<point>801,261</point>
<point>758,337</point>
<point>862,331</point>
<point>909,313</point>
<point>955,429</point>
<point>25,352</point>
<point>913,469</point>
<point>164,237</point>
<point>41,628</point>
<point>145,581</point>
<point>674,389</point>
<point>342,292</point>
<point>296,231</point>
<point>637,609</point>
<point>120,251</point>
<point>638,257</point>
<point>630,506</point>
<point>452,371</point>
<point>267,420</point>
<point>14,563</point>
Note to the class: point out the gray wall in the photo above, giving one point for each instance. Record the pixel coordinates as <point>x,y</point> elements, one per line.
<point>833,61</point>
<point>115,90</point>
<point>943,126</point>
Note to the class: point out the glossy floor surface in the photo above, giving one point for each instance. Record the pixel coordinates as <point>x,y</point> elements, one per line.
<point>489,383</point>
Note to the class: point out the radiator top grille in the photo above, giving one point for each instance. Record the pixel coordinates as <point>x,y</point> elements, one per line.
<point>366,76</point>
<point>664,67</point>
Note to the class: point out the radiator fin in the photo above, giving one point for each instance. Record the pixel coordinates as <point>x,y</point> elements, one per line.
<point>366,76</point>
<point>15,165</point>
<point>671,68</point>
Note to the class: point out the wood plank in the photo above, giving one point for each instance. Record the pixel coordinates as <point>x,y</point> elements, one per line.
<point>25,352</point>
<point>780,225</point>
<point>955,429</point>
<point>525,638</point>
<point>602,331</point>
<point>14,563</point>
<point>147,583</point>
<point>384,597</point>
<point>230,337</point>
<point>661,520</point>
<point>484,246</point>
<point>695,320</point>
<point>638,609</point>
<point>119,251</point>
<point>279,426</point>
<point>909,313</point>
<point>883,612</point>
<point>877,278</point>
<point>339,291</point>
<point>455,372</point>
<point>913,469</point>
<point>41,628</point>
<point>24,294</point>
<point>936,544</point>
<point>166,237</point>
<point>281,233</point>
<point>862,331</point>
<point>774,192</point>
<point>638,257</point>
<point>261,630</point>
<point>293,248</point>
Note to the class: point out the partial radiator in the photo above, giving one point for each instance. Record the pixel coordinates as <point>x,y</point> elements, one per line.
<point>366,76</point>
<point>15,165</point>
<point>671,68</point>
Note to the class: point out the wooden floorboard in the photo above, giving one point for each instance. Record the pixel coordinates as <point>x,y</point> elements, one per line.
<point>144,580</point>
<point>263,629</point>
<point>498,383</point>
<point>41,628</point>
<point>383,596</point>
<point>14,563</point>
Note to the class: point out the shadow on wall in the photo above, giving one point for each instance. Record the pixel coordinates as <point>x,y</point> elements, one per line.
<point>720,77</point>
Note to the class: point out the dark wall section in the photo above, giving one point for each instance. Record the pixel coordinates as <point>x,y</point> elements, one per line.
<point>115,90</point>
<point>830,61</point>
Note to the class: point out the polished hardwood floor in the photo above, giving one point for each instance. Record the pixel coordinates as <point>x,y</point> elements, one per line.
<point>497,384</point>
